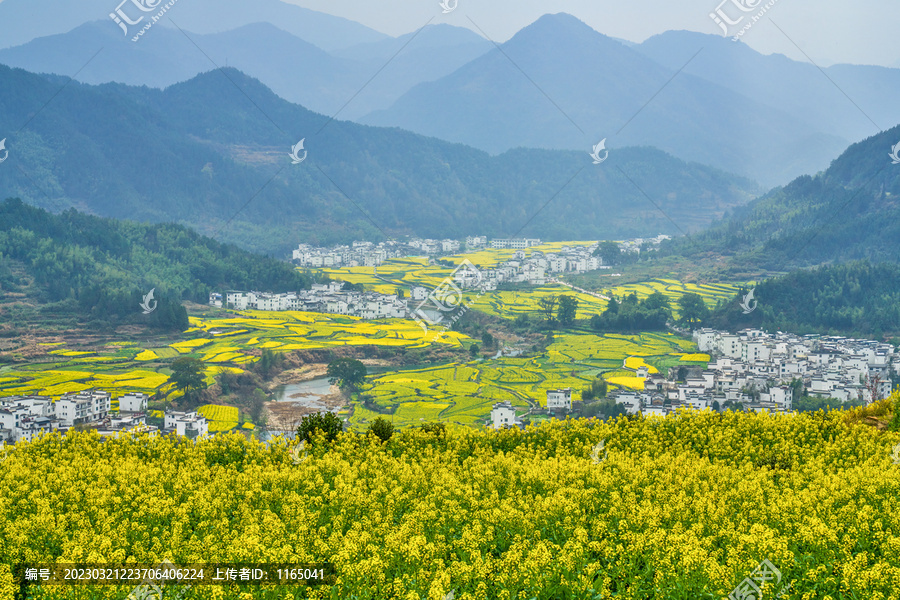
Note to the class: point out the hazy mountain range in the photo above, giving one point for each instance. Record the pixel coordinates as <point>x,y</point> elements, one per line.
<point>19,21</point>
<point>510,129</point>
<point>557,84</point>
<point>293,68</point>
<point>583,86</point>
<point>217,146</point>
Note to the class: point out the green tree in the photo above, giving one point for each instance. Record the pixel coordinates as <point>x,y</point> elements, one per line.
<point>257,404</point>
<point>568,308</point>
<point>474,349</point>
<point>598,388</point>
<point>269,362</point>
<point>487,340</point>
<point>656,301</point>
<point>693,309</point>
<point>605,409</point>
<point>547,306</point>
<point>612,307</point>
<point>328,423</point>
<point>188,375</point>
<point>609,253</point>
<point>381,428</point>
<point>347,373</point>
<point>797,389</point>
<point>401,293</point>
<point>587,393</point>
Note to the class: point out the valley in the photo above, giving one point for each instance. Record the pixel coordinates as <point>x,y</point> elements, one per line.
<point>449,300</point>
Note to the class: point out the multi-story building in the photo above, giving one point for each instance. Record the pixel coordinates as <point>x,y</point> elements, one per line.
<point>133,403</point>
<point>83,407</point>
<point>559,399</point>
<point>503,415</point>
<point>190,424</point>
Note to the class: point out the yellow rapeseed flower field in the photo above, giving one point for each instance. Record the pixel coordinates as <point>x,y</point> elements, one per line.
<point>683,507</point>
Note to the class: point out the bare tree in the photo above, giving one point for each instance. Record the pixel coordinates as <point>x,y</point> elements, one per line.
<point>873,384</point>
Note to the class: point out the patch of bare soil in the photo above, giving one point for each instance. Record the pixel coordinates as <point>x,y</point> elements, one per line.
<point>286,416</point>
<point>310,371</point>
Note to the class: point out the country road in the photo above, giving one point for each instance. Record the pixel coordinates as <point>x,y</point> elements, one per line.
<point>578,289</point>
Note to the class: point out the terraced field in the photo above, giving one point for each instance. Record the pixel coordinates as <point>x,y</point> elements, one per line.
<point>459,393</point>
<point>410,272</point>
<point>224,344</point>
<point>221,418</point>
<point>711,293</point>
<point>465,393</point>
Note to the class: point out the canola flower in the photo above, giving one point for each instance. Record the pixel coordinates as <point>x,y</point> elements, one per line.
<point>682,507</point>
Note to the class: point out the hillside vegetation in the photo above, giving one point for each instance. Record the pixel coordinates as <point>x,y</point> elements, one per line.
<point>216,147</point>
<point>683,507</point>
<point>857,298</point>
<point>849,212</point>
<point>99,270</point>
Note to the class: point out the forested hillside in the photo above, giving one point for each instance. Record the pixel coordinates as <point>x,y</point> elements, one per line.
<point>849,212</point>
<point>857,298</point>
<point>217,147</point>
<point>100,269</point>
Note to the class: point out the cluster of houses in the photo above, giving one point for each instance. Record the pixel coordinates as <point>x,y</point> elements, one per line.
<point>634,246</point>
<point>503,414</point>
<point>535,268</point>
<point>754,370</point>
<point>22,418</point>
<point>325,298</point>
<point>369,254</point>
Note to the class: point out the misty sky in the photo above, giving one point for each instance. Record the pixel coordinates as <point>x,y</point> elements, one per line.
<point>829,31</point>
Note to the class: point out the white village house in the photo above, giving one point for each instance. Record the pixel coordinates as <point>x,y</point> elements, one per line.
<point>22,418</point>
<point>503,414</point>
<point>191,424</point>
<point>559,399</point>
<point>133,403</point>
<point>755,369</point>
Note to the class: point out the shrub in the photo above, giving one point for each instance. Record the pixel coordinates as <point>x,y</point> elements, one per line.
<point>329,423</point>
<point>381,428</point>
<point>438,429</point>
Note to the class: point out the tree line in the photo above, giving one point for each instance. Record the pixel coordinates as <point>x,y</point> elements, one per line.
<point>630,314</point>
<point>102,269</point>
